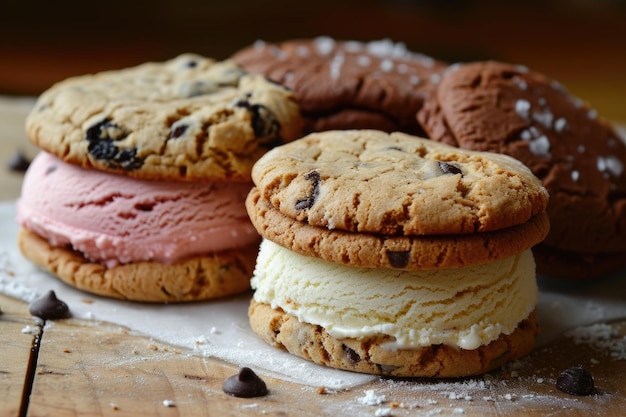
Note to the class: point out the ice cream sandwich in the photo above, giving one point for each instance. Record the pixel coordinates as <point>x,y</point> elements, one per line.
<point>139,190</point>
<point>394,255</point>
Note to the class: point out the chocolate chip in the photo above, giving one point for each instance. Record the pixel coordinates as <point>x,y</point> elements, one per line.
<point>51,169</point>
<point>575,381</point>
<point>308,202</point>
<point>351,354</point>
<point>102,137</point>
<point>245,384</point>
<point>398,259</point>
<point>18,162</point>
<point>178,131</point>
<point>449,168</point>
<point>387,369</point>
<point>264,124</point>
<point>49,307</point>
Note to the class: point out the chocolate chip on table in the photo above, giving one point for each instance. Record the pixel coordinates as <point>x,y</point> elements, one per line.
<point>245,384</point>
<point>449,168</point>
<point>18,162</point>
<point>49,307</point>
<point>576,381</point>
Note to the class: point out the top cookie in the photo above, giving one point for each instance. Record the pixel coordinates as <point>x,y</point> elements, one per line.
<point>498,107</point>
<point>348,84</point>
<point>396,184</point>
<point>189,118</point>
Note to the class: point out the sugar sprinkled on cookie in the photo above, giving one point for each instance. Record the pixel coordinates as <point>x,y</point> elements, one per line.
<point>346,84</point>
<point>499,107</point>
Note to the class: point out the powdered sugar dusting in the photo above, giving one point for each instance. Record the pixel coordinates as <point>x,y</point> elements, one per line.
<point>602,337</point>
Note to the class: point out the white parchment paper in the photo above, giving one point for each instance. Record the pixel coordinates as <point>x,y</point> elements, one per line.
<point>220,328</point>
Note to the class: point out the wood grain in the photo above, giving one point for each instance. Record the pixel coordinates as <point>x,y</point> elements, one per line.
<point>87,368</point>
<point>18,333</point>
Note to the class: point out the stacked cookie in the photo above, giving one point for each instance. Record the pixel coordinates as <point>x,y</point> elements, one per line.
<point>498,107</point>
<point>139,191</point>
<point>395,255</point>
<point>348,84</point>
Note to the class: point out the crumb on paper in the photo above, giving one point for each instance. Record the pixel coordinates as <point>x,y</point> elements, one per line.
<point>169,403</point>
<point>370,398</point>
<point>114,406</point>
<point>383,412</point>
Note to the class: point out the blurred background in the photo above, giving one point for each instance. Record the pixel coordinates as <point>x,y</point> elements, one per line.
<point>581,43</point>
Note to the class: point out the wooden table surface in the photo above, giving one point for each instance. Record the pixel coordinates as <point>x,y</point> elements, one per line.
<point>81,368</point>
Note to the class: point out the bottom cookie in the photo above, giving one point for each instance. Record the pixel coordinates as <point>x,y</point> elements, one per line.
<point>313,343</point>
<point>555,263</point>
<point>198,278</point>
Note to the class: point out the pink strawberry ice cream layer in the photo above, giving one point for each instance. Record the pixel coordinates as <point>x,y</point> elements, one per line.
<point>115,219</point>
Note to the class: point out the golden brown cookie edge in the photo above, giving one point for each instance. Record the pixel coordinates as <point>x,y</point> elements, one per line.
<point>312,342</point>
<point>199,278</point>
<point>411,253</point>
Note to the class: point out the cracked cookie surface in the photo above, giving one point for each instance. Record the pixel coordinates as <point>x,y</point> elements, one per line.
<point>348,84</point>
<point>189,118</point>
<point>396,185</point>
<point>400,252</point>
<point>504,108</point>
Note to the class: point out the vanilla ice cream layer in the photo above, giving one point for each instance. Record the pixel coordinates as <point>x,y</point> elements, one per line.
<point>466,307</point>
<point>115,219</point>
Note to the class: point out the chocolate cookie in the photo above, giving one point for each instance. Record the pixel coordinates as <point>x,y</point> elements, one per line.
<point>348,84</point>
<point>190,118</point>
<point>198,278</point>
<point>498,107</point>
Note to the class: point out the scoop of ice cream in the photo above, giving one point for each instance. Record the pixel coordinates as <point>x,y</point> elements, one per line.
<point>115,219</point>
<point>465,307</point>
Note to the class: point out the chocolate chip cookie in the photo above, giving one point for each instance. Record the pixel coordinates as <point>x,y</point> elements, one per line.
<point>395,184</point>
<point>189,118</point>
